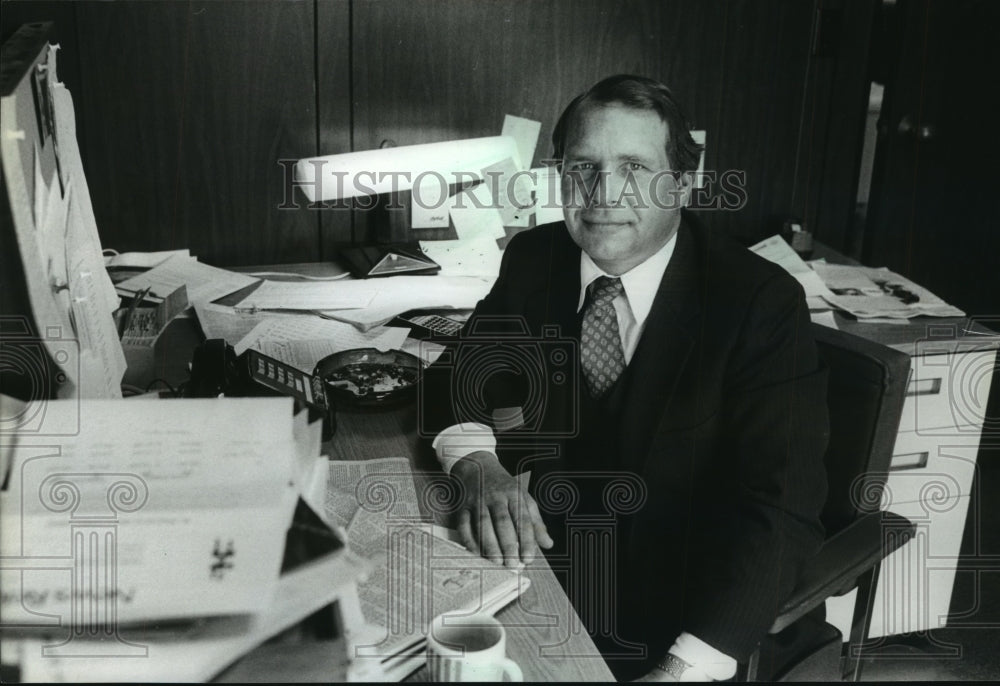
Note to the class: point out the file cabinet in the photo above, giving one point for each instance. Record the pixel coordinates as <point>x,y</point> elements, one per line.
<point>931,476</point>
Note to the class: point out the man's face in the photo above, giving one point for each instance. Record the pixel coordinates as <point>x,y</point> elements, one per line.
<point>621,203</point>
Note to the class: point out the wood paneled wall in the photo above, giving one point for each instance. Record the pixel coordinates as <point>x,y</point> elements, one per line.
<point>186,107</point>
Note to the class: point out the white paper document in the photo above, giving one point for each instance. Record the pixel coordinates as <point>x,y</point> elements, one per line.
<point>478,256</point>
<point>878,293</point>
<point>525,135</point>
<point>222,321</point>
<point>204,282</point>
<point>310,295</point>
<point>778,251</point>
<point>342,336</point>
<point>144,260</point>
<point>474,214</point>
<point>397,294</point>
<point>305,354</point>
<point>197,497</point>
<point>548,196</point>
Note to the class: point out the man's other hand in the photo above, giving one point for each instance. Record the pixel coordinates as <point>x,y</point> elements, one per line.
<point>499,520</point>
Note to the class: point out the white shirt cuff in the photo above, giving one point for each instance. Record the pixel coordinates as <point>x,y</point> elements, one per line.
<point>707,663</point>
<point>459,440</point>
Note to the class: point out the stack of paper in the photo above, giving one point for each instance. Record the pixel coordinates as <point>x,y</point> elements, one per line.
<point>192,510</point>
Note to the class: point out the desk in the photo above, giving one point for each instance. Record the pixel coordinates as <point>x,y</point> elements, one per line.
<point>545,636</point>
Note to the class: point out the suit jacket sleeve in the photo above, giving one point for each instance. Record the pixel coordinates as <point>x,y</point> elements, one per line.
<point>764,521</point>
<point>445,400</point>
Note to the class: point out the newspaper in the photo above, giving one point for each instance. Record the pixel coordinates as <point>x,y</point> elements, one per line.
<point>417,573</point>
<point>878,293</point>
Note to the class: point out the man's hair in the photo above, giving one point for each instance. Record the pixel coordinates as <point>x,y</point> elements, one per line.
<point>640,93</point>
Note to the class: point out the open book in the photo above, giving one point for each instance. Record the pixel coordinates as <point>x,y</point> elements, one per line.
<point>417,572</point>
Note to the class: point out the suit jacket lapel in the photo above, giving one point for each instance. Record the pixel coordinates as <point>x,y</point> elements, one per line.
<point>554,299</point>
<point>664,350</point>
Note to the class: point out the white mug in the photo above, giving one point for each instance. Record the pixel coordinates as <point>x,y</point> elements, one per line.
<point>469,648</point>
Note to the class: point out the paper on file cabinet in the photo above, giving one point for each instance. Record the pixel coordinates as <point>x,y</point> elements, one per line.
<point>385,170</point>
<point>195,498</point>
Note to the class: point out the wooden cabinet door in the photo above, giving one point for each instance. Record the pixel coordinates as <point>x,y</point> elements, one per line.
<point>933,214</point>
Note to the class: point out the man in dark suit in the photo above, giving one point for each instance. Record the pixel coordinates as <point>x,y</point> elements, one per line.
<point>661,385</point>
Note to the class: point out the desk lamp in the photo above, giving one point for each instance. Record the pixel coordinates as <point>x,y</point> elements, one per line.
<point>384,175</point>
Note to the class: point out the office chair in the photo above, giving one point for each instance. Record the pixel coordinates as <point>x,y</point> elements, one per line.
<point>867,386</point>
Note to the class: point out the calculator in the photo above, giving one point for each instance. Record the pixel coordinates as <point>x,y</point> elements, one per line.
<point>430,325</point>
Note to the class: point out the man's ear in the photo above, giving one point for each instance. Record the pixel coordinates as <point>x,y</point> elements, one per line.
<point>685,182</point>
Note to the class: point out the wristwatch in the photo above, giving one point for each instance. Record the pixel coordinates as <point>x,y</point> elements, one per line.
<point>674,666</point>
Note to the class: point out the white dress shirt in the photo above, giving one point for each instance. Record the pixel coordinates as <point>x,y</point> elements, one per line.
<point>632,306</point>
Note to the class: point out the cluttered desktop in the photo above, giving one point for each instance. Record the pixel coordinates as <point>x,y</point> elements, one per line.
<point>214,473</point>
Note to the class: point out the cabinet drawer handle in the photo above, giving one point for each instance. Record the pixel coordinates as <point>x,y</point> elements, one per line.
<point>904,461</point>
<point>923,387</point>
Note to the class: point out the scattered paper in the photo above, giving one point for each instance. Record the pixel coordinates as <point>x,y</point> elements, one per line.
<point>870,293</point>
<point>501,183</point>
<point>305,354</point>
<point>144,260</point>
<point>473,213</point>
<point>204,282</point>
<point>525,135</point>
<point>398,294</point>
<point>308,328</point>
<point>479,256</point>
<point>352,485</point>
<point>221,321</point>
<point>778,251</point>
<point>429,203</point>
<point>309,295</point>
<point>194,479</point>
<point>548,196</point>
<point>427,351</point>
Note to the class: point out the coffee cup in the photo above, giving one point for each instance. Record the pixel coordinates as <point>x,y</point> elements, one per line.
<point>469,648</point>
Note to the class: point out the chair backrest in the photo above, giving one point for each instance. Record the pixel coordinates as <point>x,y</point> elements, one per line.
<point>866,390</point>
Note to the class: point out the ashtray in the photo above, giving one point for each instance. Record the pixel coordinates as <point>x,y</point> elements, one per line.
<point>366,377</point>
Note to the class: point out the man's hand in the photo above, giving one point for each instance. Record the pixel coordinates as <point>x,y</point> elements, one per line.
<point>499,520</point>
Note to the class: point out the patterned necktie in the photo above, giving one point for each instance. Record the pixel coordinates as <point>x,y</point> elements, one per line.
<point>602,357</point>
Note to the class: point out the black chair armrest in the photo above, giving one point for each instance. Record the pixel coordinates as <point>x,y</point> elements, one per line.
<point>842,559</point>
